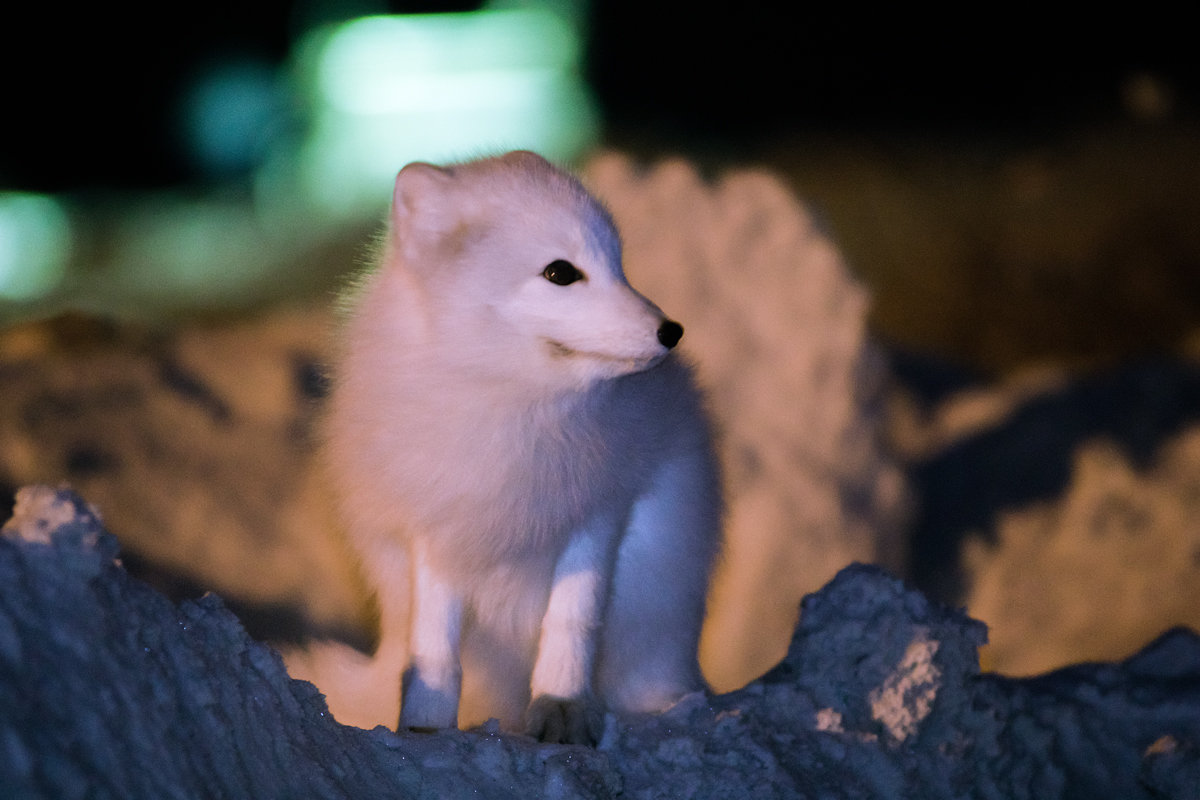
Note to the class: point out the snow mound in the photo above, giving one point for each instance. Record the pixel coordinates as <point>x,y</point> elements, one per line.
<point>110,690</point>
<point>1069,505</point>
<point>189,438</point>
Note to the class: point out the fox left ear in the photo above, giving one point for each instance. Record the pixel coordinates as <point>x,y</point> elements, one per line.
<point>422,209</point>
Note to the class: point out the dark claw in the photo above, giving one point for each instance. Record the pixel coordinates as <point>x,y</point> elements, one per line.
<point>563,720</point>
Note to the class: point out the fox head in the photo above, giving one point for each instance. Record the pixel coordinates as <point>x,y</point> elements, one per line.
<point>519,273</point>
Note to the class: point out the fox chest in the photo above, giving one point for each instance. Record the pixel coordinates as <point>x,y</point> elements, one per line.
<point>505,485</point>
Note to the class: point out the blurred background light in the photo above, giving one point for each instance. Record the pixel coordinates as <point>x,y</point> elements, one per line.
<point>382,91</point>
<point>290,156</point>
<point>230,114</point>
<point>35,244</point>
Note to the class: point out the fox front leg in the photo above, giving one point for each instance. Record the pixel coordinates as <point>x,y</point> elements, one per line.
<point>432,683</point>
<point>564,706</point>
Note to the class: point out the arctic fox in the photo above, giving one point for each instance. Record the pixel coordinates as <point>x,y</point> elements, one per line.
<point>523,466</point>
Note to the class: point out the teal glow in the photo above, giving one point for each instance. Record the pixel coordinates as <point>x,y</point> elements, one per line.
<point>35,244</point>
<point>230,114</point>
<point>431,63</point>
<point>387,90</point>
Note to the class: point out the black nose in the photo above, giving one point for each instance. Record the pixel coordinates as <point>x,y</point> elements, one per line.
<point>669,333</point>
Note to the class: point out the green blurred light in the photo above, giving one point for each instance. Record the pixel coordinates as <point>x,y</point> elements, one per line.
<point>35,244</point>
<point>430,63</point>
<point>387,90</point>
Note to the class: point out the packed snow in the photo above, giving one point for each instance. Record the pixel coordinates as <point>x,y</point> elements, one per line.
<point>879,695</point>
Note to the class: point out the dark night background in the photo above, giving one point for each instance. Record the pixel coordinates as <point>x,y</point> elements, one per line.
<point>92,91</point>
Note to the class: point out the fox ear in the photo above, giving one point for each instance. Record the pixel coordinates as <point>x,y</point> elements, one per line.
<point>422,209</point>
<point>420,191</point>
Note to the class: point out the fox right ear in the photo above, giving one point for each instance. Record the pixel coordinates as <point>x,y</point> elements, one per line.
<point>419,189</point>
<point>421,206</point>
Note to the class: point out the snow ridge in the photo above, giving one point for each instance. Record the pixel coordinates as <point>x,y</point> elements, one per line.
<point>109,690</point>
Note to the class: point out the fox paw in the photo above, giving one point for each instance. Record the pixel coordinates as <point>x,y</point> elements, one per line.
<point>424,708</point>
<point>563,720</point>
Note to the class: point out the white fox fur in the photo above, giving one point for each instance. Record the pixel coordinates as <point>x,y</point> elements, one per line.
<point>523,466</point>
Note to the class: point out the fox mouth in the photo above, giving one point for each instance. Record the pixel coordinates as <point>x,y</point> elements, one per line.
<point>560,350</point>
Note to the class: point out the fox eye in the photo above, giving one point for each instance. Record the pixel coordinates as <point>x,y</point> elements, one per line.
<point>562,272</point>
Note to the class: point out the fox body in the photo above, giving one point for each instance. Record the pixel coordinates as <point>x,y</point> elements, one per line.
<point>523,466</point>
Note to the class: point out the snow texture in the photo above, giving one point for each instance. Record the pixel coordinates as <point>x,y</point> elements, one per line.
<point>107,689</point>
<point>191,440</point>
<point>1062,509</point>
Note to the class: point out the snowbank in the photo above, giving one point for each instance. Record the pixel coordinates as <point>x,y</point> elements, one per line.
<point>110,690</point>
<point>1062,509</point>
